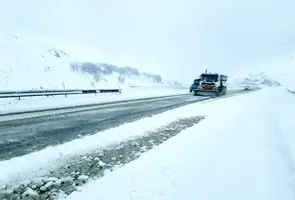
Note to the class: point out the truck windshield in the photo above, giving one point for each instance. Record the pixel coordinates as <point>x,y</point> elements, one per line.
<point>196,81</point>
<point>210,78</point>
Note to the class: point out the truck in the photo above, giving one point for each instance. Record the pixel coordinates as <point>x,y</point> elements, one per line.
<point>209,84</point>
<point>195,84</point>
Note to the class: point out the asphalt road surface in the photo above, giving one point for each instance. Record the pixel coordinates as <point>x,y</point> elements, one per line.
<point>19,136</point>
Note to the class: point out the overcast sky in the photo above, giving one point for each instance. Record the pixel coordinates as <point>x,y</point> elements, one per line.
<point>177,38</point>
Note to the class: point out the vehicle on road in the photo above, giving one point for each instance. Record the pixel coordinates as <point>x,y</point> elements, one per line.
<point>209,84</point>
<point>195,85</point>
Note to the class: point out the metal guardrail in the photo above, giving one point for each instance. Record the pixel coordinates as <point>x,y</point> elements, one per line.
<point>34,93</point>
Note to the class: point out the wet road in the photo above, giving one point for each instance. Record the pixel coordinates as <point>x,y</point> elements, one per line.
<point>32,133</point>
<point>22,136</point>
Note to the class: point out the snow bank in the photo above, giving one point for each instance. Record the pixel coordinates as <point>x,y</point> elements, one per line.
<point>243,150</point>
<point>37,103</point>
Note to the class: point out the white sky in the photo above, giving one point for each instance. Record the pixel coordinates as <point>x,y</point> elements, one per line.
<point>176,38</point>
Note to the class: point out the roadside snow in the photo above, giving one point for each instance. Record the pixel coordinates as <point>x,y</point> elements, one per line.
<point>243,150</point>
<point>37,103</point>
<point>37,163</point>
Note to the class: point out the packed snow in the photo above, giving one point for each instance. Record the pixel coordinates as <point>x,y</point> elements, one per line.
<point>244,149</point>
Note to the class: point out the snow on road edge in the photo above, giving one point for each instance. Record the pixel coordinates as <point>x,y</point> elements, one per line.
<point>37,163</point>
<point>249,156</point>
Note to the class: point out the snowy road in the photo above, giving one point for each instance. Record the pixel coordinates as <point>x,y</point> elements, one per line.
<point>22,136</point>
<point>94,164</point>
<point>247,154</point>
<point>67,166</point>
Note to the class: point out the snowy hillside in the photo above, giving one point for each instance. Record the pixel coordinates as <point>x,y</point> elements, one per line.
<point>123,76</point>
<point>25,64</point>
<point>277,71</point>
<point>260,80</point>
<point>283,70</point>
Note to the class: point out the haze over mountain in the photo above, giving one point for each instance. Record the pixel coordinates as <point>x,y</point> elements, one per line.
<point>177,39</point>
<point>27,65</point>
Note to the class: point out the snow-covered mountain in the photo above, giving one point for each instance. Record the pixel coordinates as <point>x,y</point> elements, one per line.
<point>25,64</point>
<point>254,80</point>
<point>260,80</point>
<point>123,76</point>
<point>280,69</point>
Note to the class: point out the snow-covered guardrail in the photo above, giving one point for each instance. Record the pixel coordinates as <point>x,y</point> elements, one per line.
<point>34,93</point>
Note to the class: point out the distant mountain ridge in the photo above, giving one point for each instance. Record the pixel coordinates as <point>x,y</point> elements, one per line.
<point>256,80</point>
<point>25,64</point>
<point>101,70</point>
